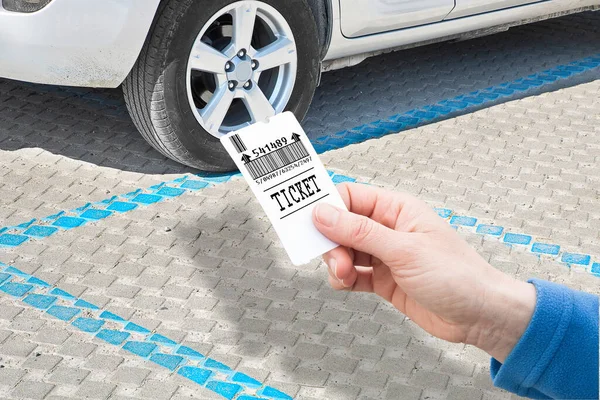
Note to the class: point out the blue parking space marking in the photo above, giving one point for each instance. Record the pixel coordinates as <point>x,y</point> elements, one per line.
<point>443,212</point>
<point>456,221</point>
<point>463,221</point>
<point>40,231</point>
<point>64,313</point>
<point>96,214</point>
<point>141,349</point>
<point>88,325</point>
<point>40,301</point>
<point>120,206</point>
<point>111,316</point>
<point>491,230</point>
<point>341,179</point>
<point>578,259</point>
<point>167,360</point>
<point>14,236</point>
<point>113,336</point>
<point>69,222</point>
<point>455,106</point>
<point>15,289</point>
<point>516,238</point>
<point>10,240</point>
<point>153,347</point>
<point>189,363</point>
<point>198,375</point>
<point>543,248</point>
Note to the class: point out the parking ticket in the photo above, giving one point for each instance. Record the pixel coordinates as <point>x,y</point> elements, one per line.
<point>288,179</point>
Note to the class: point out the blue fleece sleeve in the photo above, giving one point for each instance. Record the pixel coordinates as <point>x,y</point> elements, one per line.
<point>557,356</point>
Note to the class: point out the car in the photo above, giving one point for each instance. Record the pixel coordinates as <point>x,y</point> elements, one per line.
<point>192,71</point>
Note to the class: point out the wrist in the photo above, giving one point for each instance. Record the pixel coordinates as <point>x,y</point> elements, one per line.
<point>508,307</point>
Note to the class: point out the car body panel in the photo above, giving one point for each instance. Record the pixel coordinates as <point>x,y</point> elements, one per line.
<point>75,42</point>
<point>96,43</point>
<point>342,47</point>
<point>366,17</point>
<point>472,7</point>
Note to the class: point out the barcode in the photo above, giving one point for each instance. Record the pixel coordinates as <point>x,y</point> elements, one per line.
<point>238,143</point>
<point>278,159</point>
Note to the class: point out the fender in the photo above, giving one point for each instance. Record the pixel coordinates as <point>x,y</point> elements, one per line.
<point>323,12</point>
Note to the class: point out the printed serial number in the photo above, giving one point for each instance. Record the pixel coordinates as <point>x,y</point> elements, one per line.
<point>269,147</point>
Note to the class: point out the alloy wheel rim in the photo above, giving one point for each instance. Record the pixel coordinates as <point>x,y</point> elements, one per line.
<point>242,67</point>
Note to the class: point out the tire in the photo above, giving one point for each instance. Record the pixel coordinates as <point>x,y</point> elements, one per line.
<point>156,90</point>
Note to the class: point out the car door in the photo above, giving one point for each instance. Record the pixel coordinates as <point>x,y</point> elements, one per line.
<point>471,7</point>
<point>365,17</point>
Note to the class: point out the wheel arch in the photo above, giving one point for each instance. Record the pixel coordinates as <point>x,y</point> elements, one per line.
<point>322,10</point>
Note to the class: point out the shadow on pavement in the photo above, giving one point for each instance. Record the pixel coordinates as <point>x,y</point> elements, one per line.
<point>93,126</point>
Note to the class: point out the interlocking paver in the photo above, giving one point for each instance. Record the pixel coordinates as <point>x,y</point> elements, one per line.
<point>32,390</point>
<point>207,268</point>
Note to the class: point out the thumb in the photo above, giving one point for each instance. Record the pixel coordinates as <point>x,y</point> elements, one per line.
<point>357,232</point>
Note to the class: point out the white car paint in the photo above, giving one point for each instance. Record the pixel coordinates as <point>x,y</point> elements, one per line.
<point>95,43</point>
<point>471,7</point>
<point>365,17</point>
<point>342,46</point>
<point>75,42</point>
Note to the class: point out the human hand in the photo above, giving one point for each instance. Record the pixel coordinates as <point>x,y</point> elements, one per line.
<point>396,246</point>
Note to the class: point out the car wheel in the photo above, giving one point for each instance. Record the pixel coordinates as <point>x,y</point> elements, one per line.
<point>210,67</point>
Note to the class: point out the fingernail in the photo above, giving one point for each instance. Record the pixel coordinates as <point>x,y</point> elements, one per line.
<point>327,214</point>
<point>332,264</point>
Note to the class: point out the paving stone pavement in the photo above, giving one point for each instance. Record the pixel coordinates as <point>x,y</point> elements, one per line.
<point>206,269</point>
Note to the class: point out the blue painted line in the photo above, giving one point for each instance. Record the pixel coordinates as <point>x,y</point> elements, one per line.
<point>141,349</point>
<point>492,230</point>
<point>516,238</point>
<point>135,328</point>
<point>11,240</point>
<point>111,316</point>
<point>37,281</point>
<point>162,339</point>
<point>463,221</point>
<point>455,106</point>
<point>96,214</point>
<point>198,375</point>
<point>40,301</point>
<point>136,339</point>
<point>191,353</point>
<point>40,231</point>
<point>4,277</point>
<point>69,222</point>
<point>579,259</point>
<point>15,236</point>
<point>341,179</point>
<point>443,212</point>
<point>543,248</point>
<point>61,293</point>
<point>16,289</point>
<point>88,325</point>
<point>168,361</point>
<point>64,313</point>
<point>113,336</point>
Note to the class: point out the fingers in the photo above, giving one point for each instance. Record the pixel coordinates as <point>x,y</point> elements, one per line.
<point>358,232</point>
<point>359,280</point>
<point>398,211</point>
<point>341,267</point>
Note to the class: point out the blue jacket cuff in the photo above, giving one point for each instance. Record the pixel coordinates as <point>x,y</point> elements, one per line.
<point>533,353</point>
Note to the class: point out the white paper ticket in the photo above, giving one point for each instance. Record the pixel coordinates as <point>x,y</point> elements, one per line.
<point>288,179</point>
